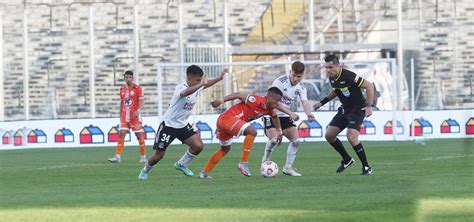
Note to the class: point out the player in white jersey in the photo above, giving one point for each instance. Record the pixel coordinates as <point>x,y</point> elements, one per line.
<point>175,122</point>
<point>292,90</point>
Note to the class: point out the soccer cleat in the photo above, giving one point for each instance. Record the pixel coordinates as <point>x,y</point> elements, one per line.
<point>115,159</point>
<point>344,166</point>
<point>183,169</point>
<point>143,175</point>
<point>244,169</point>
<point>290,171</point>
<point>366,170</point>
<point>143,160</point>
<point>203,175</point>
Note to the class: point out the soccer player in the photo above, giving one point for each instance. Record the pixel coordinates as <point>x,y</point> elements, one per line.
<point>347,87</point>
<point>292,90</point>
<point>234,122</point>
<point>175,122</point>
<point>131,102</point>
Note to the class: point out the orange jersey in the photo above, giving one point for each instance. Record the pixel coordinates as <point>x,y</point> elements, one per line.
<point>130,98</point>
<point>252,108</point>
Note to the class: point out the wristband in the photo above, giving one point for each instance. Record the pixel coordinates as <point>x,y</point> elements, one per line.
<point>324,101</point>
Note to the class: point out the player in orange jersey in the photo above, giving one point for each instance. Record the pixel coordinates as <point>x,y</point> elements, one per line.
<point>131,102</point>
<point>235,122</point>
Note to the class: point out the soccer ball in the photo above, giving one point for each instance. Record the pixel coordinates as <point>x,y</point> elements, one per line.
<point>269,169</point>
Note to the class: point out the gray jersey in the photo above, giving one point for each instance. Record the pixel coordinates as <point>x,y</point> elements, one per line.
<point>180,108</point>
<point>290,93</point>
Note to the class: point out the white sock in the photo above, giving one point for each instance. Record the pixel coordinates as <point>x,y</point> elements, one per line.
<point>186,158</point>
<point>269,147</point>
<point>147,168</point>
<point>291,153</point>
<point>143,156</point>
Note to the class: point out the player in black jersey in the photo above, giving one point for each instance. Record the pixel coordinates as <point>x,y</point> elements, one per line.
<point>347,87</point>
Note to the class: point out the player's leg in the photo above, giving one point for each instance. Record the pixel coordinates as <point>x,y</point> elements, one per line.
<point>164,137</point>
<point>355,119</point>
<point>120,143</point>
<point>138,129</point>
<point>337,124</point>
<point>193,140</point>
<point>271,133</point>
<point>250,133</point>
<point>292,134</point>
<point>227,127</point>
<point>215,158</point>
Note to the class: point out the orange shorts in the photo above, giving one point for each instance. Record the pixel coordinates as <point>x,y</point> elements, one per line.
<point>135,124</point>
<point>229,126</point>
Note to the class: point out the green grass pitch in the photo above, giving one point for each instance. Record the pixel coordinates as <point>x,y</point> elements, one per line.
<point>432,182</point>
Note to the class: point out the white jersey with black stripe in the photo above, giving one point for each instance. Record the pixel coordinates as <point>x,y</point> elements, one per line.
<point>180,108</point>
<point>290,93</point>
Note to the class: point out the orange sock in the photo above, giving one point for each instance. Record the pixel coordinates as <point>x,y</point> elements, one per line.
<point>142,146</point>
<point>119,149</point>
<point>247,147</point>
<point>213,160</point>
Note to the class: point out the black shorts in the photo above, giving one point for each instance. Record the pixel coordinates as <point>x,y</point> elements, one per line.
<point>286,122</point>
<point>165,135</point>
<point>350,118</point>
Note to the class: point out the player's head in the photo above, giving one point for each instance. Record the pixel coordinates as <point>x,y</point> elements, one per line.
<point>273,97</point>
<point>332,65</point>
<point>194,75</point>
<point>297,72</point>
<point>128,77</point>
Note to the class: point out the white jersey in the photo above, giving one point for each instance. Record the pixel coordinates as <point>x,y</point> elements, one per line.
<point>290,93</point>
<point>180,108</point>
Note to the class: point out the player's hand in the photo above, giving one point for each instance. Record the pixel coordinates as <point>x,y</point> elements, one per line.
<point>136,113</point>
<point>368,111</point>
<point>204,79</point>
<point>222,74</point>
<point>279,136</point>
<point>317,106</point>
<point>311,117</point>
<point>216,103</point>
<point>294,117</point>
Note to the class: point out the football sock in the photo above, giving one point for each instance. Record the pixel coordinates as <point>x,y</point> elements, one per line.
<point>247,147</point>
<point>269,147</point>
<point>147,167</point>
<point>213,160</point>
<point>340,149</point>
<point>291,153</point>
<point>142,147</point>
<point>359,149</point>
<point>119,149</point>
<point>186,158</point>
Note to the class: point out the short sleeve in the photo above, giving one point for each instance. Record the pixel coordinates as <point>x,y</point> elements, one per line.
<point>303,94</point>
<point>355,80</point>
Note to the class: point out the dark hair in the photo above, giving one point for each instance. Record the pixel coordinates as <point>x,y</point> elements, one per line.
<point>331,58</point>
<point>275,90</point>
<point>194,70</point>
<point>297,67</point>
<point>128,72</point>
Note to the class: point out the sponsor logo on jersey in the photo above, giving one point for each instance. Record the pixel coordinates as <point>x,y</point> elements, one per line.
<point>252,99</point>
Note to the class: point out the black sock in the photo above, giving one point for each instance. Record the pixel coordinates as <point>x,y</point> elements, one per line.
<point>340,149</point>
<point>359,149</point>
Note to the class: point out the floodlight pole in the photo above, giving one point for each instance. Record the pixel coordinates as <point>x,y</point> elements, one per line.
<point>136,43</point>
<point>2,102</point>
<point>180,40</point>
<point>26,93</point>
<point>399,59</point>
<point>91,61</point>
<point>311,25</point>
<point>225,49</point>
<point>412,94</point>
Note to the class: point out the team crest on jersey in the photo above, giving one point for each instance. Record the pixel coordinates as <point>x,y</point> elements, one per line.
<point>128,102</point>
<point>252,99</point>
<point>297,92</point>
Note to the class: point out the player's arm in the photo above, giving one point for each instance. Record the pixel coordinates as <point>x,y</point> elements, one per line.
<point>233,96</point>
<point>369,91</point>
<point>276,122</point>
<point>192,89</point>
<point>307,109</point>
<point>292,115</point>
<point>326,99</point>
<point>211,82</point>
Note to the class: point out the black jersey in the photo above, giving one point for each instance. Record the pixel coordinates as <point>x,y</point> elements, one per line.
<point>347,85</point>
